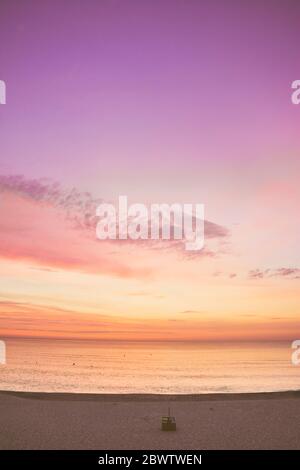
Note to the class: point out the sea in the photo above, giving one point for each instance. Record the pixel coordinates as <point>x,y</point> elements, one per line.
<point>42,365</point>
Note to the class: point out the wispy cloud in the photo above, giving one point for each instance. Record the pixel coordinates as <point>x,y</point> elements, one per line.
<point>191,311</point>
<point>288,273</point>
<point>38,224</point>
<point>54,227</point>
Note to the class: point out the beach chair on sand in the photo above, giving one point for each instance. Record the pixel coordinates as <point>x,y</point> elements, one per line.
<point>168,423</point>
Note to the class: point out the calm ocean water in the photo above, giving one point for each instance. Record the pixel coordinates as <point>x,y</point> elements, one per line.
<point>92,367</point>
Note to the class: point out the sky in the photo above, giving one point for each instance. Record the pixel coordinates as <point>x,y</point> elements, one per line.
<point>169,101</point>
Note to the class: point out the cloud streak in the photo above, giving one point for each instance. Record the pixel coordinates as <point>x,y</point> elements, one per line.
<point>288,273</point>
<point>35,227</point>
<point>54,227</point>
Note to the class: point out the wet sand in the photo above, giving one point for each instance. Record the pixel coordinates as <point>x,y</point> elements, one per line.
<point>218,421</point>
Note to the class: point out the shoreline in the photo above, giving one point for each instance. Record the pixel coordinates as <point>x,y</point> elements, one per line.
<point>73,396</point>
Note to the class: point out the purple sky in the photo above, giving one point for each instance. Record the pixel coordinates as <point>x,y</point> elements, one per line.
<point>99,87</point>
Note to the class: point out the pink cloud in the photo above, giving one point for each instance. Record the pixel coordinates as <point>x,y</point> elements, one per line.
<point>43,223</point>
<point>33,230</point>
<point>288,273</point>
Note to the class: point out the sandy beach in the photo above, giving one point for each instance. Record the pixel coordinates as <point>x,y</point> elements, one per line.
<point>219,421</point>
